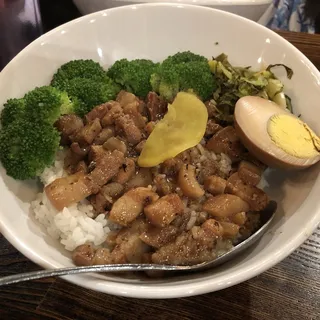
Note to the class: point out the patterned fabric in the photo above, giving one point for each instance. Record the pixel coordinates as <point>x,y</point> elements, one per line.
<point>287,15</point>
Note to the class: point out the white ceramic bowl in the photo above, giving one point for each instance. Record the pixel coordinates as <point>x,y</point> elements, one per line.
<point>155,31</point>
<point>251,9</point>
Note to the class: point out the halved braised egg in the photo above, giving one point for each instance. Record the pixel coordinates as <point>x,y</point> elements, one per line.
<point>274,135</point>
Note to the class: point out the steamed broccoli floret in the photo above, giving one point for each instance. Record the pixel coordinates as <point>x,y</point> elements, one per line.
<point>28,138</point>
<point>13,109</point>
<point>27,148</point>
<point>155,81</point>
<point>169,81</point>
<point>133,76</point>
<point>184,57</point>
<point>87,94</point>
<point>87,84</point>
<point>184,71</point>
<point>47,103</point>
<point>196,76</point>
<point>87,69</point>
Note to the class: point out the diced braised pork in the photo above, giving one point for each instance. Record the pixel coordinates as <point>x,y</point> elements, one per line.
<point>142,107</point>
<point>100,203</point>
<point>163,211</point>
<point>88,133</point>
<point>107,166</point>
<point>140,146</point>
<point>68,125</point>
<point>102,256</point>
<point>126,98</point>
<point>126,125</point>
<point>83,255</point>
<point>71,189</point>
<point>105,134</point>
<point>257,198</point>
<point>142,178</point>
<point>226,141</point>
<point>230,230</point>
<point>96,152</point>
<point>126,172</point>
<point>163,184</point>
<point>71,161</point>
<point>131,106</point>
<point>128,207</point>
<point>149,127</point>
<point>138,120</point>
<point>86,255</point>
<point>249,173</point>
<point>213,228</point>
<point>156,106</point>
<point>215,185</point>
<point>80,151</point>
<point>62,192</point>
<point>114,143</point>
<point>225,205</point>
<point>105,198</point>
<point>81,167</point>
<point>171,167</point>
<point>157,237</point>
<point>250,158</point>
<point>239,218</point>
<point>188,183</point>
<point>212,127</point>
<point>112,190</point>
<point>97,113</point>
<point>192,247</point>
<point>129,248</point>
<point>114,111</point>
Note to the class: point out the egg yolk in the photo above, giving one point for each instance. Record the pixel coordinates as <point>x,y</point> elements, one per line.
<point>182,127</point>
<point>293,136</point>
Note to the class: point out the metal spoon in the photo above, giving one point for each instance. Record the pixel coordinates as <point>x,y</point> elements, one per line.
<point>266,216</point>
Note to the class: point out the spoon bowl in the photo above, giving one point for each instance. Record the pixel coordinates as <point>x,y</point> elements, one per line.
<point>266,218</point>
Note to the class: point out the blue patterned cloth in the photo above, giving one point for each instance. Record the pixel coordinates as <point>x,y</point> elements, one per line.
<point>287,15</point>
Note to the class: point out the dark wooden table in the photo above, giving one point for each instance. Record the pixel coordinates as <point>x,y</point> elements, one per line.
<point>288,291</point>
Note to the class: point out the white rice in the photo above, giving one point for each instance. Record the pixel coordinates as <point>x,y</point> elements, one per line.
<point>73,226</point>
<point>55,171</point>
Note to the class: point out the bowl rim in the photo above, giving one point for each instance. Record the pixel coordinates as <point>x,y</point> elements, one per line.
<point>201,2</point>
<point>201,286</point>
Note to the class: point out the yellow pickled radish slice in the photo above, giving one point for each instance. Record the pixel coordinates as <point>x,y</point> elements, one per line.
<point>181,128</point>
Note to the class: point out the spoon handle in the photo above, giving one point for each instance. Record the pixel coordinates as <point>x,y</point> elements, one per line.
<point>75,270</point>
